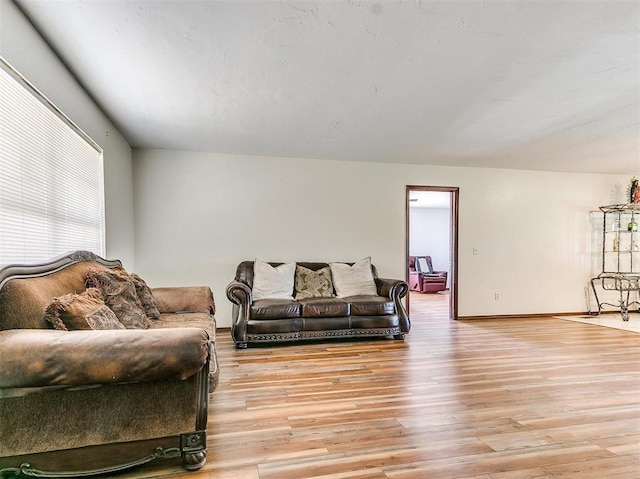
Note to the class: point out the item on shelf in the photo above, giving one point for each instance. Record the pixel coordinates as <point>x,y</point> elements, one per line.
<point>616,243</point>
<point>615,226</point>
<point>634,191</point>
<point>632,225</point>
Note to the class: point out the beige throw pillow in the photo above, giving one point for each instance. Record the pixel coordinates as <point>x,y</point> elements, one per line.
<point>353,280</point>
<point>313,284</point>
<point>273,282</point>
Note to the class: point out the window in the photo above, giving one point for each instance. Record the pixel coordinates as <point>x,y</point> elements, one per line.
<point>51,178</point>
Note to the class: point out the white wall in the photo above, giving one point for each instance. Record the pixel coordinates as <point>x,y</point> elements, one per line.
<point>430,234</point>
<point>199,214</point>
<point>26,51</point>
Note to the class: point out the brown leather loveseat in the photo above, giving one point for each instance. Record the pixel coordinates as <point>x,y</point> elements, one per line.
<point>85,401</point>
<point>275,320</point>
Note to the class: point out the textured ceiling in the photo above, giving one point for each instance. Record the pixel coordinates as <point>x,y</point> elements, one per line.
<point>544,85</point>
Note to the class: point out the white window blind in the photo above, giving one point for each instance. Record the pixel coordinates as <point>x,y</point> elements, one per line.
<point>51,178</point>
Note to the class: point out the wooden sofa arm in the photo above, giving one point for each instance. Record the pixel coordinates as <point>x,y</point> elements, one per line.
<point>184,299</point>
<point>38,358</point>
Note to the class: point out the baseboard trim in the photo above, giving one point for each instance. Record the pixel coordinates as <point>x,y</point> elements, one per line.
<point>519,316</point>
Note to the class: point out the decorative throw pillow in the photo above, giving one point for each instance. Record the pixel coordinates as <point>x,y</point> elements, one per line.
<point>145,296</point>
<point>313,284</point>
<point>273,282</point>
<point>119,293</point>
<point>353,280</point>
<point>423,266</point>
<point>86,310</point>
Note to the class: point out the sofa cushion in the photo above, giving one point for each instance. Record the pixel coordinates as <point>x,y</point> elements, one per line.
<point>364,305</point>
<point>313,284</point>
<point>375,322</point>
<point>273,282</point>
<point>352,280</point>
<point>275,326</point>
<point>204,321</point>
<point>119,293</point>
<point>326,324</point>
<point>324,308</point>
<point>275,309</point>
<point>86,310</point>
<point>423,265</point>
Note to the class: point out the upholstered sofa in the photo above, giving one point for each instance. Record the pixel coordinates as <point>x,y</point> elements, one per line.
<point>84,401</point>
<point>380,312</point>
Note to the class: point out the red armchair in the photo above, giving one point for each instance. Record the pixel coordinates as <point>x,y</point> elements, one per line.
<point>423,278</point>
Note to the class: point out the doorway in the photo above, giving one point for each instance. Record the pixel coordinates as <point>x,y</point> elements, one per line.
<point>432,229</point>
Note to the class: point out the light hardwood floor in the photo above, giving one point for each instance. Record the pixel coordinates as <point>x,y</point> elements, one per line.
<point>484,399</point>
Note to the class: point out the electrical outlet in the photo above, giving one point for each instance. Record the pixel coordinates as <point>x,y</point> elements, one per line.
<point>497,296</point>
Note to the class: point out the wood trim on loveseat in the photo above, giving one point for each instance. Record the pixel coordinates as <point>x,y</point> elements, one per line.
<point>15,271</point>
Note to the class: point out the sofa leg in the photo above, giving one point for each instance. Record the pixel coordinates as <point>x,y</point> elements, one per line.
<point>193,449</point>
<point>194,460</point>
<point>241,345</point>
<point>399,337</point>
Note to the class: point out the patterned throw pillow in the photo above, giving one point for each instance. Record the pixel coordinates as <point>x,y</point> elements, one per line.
<point>145,296</point>
<point>119,293</point>
<point>313,284</point>
<point>86,310</point>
